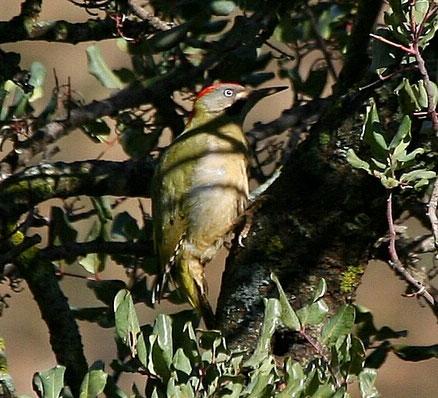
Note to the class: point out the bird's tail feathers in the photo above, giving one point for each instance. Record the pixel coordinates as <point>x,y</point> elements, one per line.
<point>192,282</point>
<point>162,280</point>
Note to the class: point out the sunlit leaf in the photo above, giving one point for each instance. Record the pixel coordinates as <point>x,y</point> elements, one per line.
<point>93,383</point>
<point>367,378</point>
<point>288,316</point>
<point>100,70</point>
<point>127,326</point>
<point>270,322</point>
<point>49,384</point>
<point>339,325</point>
<point>356,162</point>
<point>222,7</point>
<point>417,175</point>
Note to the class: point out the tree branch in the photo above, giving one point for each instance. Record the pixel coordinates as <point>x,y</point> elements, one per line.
<point>22,191</point>
<point>157,93</point>
<point>428,85</point>
<point>145,15</point>
<point>23,28</point>
<point>397,264</point>
<point>65,338</point>
<point>79,249</point>
<point>432,212</point>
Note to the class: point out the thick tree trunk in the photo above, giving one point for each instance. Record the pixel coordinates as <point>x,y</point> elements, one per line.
<point>319,218</point>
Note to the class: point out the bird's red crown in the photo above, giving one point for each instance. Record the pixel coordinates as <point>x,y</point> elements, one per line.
<point>213,87</point>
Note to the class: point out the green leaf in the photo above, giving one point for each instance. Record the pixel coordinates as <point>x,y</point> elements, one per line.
<point>127,327</point>
<point>94,263</point>
<point>324,391</point>
<point>295,380</point>
<point>313,314</point>
<point>421,93</point>
<point>403,133</point>
<point>93,384</point>
<point>417,175</point>
<point>356,162</point>
<point>270,323</point>
<point>320,290</point>
<point>182,362</point>
<point>339,325</point>
<point>163,330</point>
<point>419,11</point>
<point>367,378</point>
<point>100,70</point>
<point>261,382</point>
<point>37,76</point>
<point>408,97</point>
<point>222,7</point>
<point>288,316</point>
<point>50,383</point>
<point>373,133</point>
<point>379,165</point>
<point>415,353</point>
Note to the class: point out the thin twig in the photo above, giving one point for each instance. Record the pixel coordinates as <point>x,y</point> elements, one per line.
<point>428,85</point>
<point>395,260</point>
<point>391,43</point>
<point>431,212</point>
<point>321,352</point>
<point>153,20</point>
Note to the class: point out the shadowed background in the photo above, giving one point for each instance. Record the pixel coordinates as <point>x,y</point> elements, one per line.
<point>25,334</point>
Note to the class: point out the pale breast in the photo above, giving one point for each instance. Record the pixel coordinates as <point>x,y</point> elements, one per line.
<point>218,197</point>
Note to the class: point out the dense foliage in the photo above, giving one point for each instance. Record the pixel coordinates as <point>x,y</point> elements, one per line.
<point>361,134</point>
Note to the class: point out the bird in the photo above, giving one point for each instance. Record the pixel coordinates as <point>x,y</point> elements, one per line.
<point>200,191</point>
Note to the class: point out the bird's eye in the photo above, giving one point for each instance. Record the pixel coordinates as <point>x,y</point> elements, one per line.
<point>228,92</point>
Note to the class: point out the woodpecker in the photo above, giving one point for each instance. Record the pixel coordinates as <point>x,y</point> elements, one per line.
<point>200,190</point>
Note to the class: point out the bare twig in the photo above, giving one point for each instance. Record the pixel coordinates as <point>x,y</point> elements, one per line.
<point>393,44</point>
<point>428,85</point>
<point>152,19</point>
<point>432,214</point>
<point>395,260</point>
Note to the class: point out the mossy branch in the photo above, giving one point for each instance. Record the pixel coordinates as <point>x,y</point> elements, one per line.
<point>157,93</point>
<point>65,338</point>
<point>22,191</point>
<point>24,27</point>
